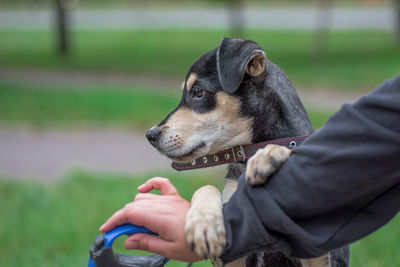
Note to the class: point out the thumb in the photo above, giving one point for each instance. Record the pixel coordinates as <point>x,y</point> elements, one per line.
<point>150,243</point>
<point>159,183</point>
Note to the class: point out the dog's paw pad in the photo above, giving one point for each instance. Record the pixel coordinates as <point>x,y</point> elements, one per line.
<point>205,232</point>
<point>265,162</point>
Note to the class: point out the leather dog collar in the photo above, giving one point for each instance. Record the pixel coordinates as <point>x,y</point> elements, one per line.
<point>235,154</point>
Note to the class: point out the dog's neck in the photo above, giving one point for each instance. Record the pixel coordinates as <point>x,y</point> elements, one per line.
<point>280,113</point>
<point>235,170</point>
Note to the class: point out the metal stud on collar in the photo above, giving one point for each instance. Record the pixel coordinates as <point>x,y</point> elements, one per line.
<point>241,153</point>
<point>292,144</point>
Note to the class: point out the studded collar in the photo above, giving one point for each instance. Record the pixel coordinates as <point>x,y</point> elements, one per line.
<point>235,154</point>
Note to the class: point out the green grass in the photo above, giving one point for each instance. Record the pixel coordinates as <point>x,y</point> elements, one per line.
<point>67,106</point>
<point>380,249</point>
<point>353,60</point>
<point>55,224</point>
<point>318,117</point>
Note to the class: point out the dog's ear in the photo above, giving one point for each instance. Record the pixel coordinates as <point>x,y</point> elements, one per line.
<point>235,57</point>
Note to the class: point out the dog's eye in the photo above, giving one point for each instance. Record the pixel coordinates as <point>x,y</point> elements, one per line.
<point>198,93</point>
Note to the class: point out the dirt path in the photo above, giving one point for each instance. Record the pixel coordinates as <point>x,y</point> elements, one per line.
<point>104,78</point>
<point>326,99</point>
<point>48,155</point>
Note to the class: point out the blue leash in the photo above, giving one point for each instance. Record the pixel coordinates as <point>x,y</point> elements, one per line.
<point>102,255</point>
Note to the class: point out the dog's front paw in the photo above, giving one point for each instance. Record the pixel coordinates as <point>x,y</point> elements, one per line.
<point>265,162</point>
<point>204,227</point>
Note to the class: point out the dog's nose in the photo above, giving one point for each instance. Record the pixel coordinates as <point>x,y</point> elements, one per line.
<point>153,134</point>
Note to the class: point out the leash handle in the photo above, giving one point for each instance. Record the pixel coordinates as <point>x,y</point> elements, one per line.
<point>125,229</point>
<point>103,243</point>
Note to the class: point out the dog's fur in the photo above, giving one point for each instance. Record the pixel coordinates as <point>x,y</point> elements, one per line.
<point>232,95</point>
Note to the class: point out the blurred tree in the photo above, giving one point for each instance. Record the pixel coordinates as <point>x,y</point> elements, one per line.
<point>236,17</point>
<point>323,26</point>
<point>62,27</point>
<point>397,10</point>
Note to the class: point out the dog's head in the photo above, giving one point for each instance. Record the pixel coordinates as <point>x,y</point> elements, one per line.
<point>221,93</point>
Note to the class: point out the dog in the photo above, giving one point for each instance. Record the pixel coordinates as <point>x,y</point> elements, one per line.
<point>232,95</point>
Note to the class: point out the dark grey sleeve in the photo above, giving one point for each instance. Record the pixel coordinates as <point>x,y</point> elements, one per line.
<point>340,185</point>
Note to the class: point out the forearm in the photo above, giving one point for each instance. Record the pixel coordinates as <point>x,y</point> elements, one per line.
<point>340,185</point>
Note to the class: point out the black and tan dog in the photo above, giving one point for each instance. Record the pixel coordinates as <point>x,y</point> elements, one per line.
<point>233,95</point>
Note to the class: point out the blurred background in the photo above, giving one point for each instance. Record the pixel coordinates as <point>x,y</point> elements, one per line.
<point>82,80</point>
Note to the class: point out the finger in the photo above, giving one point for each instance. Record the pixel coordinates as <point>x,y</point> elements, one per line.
<point>138,213</point>
<point>149,243</point>
<point>115,220</point>
<point>132,212</point>
<point>159,183</point>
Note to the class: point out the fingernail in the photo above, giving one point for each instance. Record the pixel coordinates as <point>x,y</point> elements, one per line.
<point>101,226</point>
<point>132,245</point>
<point>140,186</point>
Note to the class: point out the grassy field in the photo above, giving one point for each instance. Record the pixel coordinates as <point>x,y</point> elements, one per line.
<point>66,105</point>
<point>69,106</point>
<point>353,60</point>
<point>55,224</point>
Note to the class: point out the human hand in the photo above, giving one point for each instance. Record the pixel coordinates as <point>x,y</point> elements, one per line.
<point>163,214</point>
